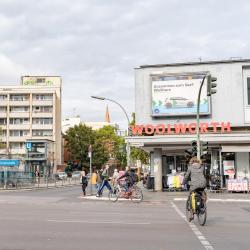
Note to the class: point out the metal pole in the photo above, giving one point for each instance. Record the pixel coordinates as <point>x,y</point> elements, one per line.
<point>90,172</point>
<point>221,173</point>
<point>198,120</point>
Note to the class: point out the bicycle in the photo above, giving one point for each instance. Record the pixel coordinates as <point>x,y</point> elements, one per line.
<point>120,191</point>
<point>195,205</point>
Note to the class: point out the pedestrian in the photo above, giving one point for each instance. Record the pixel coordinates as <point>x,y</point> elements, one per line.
<point>115,176</point>
<point>94,179</point>
<point>84,181</point>
<point>98,179</point>
<point>105,182</point>
<point>37,174</point>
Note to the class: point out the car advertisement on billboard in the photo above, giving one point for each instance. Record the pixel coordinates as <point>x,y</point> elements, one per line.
<point>176,95</point>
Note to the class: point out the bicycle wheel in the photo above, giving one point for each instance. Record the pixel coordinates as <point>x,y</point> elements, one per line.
<point>136,195</point>
<point>189,213</point>
<point>113,196</point>
<point>202,215</point>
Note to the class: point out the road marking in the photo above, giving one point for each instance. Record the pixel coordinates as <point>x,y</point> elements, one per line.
<point>195,230</point>
<point>100,222</point>
<point>216,200</point>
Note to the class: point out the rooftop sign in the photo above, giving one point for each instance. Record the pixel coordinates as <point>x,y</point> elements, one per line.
<point>180,128</point>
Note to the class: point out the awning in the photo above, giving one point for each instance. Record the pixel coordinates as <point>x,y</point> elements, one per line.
<point>235,149</point>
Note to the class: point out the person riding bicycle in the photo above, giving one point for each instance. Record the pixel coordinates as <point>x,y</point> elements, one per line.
<point>195,174</point>
<point>129,178</point>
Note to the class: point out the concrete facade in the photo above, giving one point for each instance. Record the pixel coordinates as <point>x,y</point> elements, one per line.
<point>231,104</point>
<point>30,111</point>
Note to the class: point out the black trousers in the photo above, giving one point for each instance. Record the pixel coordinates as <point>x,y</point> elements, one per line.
<point>83,188</point>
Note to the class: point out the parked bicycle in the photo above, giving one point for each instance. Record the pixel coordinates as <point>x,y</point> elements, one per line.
<point>119,191</point>
<point>195,205</point>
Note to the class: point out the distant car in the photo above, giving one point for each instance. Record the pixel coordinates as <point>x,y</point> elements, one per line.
<point>62,175</point>
<point>76,174</point>
<point>178,102</point>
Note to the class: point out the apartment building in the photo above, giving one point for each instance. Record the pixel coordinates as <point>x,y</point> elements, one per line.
<point>30,120</point>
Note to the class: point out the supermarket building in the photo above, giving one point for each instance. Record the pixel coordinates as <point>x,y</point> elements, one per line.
<point>165,107</point>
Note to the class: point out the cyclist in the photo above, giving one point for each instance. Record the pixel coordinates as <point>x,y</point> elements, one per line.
<point>129,176</point>
<point>195,174</point>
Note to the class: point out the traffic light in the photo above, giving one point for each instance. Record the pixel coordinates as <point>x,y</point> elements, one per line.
<point>188,155</point>
<point>204,148</point>
<point>194,148</point>
<point>211,85</point>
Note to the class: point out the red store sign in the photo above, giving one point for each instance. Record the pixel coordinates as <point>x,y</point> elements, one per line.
<point>180,128</point>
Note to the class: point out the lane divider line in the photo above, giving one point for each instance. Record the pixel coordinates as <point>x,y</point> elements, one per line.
<point>205,243</point>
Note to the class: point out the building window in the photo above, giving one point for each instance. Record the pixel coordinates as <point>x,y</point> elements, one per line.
<point>17,145</point>
<point>3,121</point>
<point>19,120</point>
<point>40,80</point>
<point>19,97</point>
<point>42,109</point>
<point>43,97</point>
<point>248,90</point>
<point>19,109</point>
<point>19,133</point>
<point>3,109</point>
<point>43,121</point>
<point>3,97</point>
<point>42,133</point>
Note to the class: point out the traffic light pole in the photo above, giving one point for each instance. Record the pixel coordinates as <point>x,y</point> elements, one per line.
<point>198,120</point>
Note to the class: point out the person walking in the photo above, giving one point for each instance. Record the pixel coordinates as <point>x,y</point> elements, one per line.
<point>105,182</point>
<point>94,180</point>
<point>84,181</point>
<point>115,176</point>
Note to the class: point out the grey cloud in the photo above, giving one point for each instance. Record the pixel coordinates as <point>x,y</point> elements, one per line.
<point>96,44</point>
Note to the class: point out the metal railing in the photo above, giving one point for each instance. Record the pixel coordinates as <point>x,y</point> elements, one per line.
<point>15,182</point>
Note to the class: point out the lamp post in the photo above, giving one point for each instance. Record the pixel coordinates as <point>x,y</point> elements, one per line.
<point>111,100</point>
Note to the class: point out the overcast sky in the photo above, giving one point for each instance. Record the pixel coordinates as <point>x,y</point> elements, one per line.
<point>95,45</point>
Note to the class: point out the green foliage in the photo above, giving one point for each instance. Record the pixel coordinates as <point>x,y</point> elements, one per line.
<point>139,154</point>
<point>105,144</point>
<point>78,140</point>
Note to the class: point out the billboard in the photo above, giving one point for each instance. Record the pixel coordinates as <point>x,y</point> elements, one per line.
<point>176,95</point>
<point>9,163</point>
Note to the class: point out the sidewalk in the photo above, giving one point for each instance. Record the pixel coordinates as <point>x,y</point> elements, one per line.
<point>162,197</point>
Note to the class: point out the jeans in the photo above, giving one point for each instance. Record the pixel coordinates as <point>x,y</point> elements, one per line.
<point>104,183</point>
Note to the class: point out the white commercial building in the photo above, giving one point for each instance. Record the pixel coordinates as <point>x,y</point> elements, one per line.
<point>30,120</point>
<point>165,107</point>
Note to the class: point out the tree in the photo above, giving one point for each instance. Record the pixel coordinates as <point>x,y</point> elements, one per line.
<point>113,143</point>
<point>138,153</point>
<point>78,140</point>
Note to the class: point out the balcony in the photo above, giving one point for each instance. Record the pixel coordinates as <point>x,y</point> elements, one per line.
<point>42,102</point>
<point>3,126</point>
<point>42,126</point>
<point>19,126</point>
<point>3,114</point>
<point>17,138</point>
<point>42,114</point>
<point>20,103</point>
<point>18,151</point>
<point>3,102</point>
<point>19,114</point>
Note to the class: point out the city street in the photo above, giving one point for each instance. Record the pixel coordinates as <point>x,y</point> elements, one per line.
<point>61,219</point>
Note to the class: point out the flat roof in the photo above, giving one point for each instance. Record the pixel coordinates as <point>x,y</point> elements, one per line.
<point>194,63</point>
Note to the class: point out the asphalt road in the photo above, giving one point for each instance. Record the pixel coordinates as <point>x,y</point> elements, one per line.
<point>61,219</point>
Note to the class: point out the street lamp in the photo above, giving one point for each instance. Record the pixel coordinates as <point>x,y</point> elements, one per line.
<point>111,100</point>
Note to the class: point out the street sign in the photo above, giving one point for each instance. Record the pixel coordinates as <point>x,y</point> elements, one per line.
<point>89,154</point>
<point>28,145</point>
<point>9,163</point>
<point>90,148</point>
